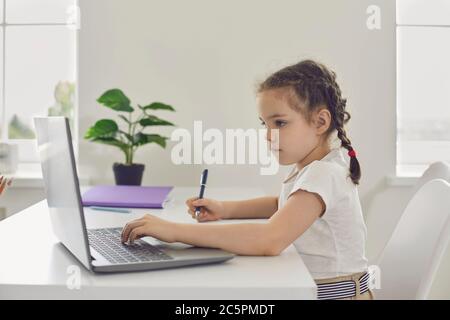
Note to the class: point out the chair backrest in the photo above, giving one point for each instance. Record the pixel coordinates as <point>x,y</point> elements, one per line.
<point>437,170</point>
<point>413,253</point>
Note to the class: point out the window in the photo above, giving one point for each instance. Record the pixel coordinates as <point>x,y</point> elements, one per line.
<point>38,67</point>
<point>423,84</point>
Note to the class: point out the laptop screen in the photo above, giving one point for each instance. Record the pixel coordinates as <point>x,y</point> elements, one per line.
<point>61,185</point>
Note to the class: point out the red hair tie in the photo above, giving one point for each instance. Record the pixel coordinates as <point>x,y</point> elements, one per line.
<point>352,153</point>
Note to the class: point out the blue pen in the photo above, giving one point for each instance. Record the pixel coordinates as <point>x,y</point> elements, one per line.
<point>110,209</point>
<point>203,179</point>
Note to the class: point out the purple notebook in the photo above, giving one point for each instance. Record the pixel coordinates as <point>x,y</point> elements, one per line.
<point>126,196</point>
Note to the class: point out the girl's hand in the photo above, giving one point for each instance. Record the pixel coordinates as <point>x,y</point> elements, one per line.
<point>211,209</point>
<point>149,225</point>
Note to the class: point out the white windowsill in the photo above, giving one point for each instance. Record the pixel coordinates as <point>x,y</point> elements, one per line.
<point>401,181</point>
<point>406,175</point>
<point>29,175</point>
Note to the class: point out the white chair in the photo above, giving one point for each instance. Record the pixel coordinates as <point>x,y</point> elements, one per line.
<point>412,256</point>
<point>437,170</point>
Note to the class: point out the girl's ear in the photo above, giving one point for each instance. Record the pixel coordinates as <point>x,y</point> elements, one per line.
<point>322,120</point>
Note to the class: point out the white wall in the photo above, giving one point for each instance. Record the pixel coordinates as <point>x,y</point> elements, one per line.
<point>205,57</point>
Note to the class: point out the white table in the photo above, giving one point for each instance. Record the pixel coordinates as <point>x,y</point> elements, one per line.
<point>33,264</point>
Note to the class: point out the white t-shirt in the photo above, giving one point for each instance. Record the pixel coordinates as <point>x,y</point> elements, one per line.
<point>334,244</point>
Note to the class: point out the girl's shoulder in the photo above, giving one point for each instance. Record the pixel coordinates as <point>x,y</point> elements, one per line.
<point>333,165</point>
<point>331,175</point>
<point>326,168</point>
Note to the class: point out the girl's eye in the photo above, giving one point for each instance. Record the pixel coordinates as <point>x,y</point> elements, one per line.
<point>280,123</point>
<point>263,123</point>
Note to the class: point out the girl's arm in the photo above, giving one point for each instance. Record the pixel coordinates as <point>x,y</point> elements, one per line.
<point>263,207</point>
<point>287,224</point>
<point>239,238</point>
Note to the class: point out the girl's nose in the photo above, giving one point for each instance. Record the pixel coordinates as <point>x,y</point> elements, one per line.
<point>268,136</point>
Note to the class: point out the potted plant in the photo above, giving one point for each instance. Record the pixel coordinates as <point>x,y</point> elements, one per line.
<point>108,132</point>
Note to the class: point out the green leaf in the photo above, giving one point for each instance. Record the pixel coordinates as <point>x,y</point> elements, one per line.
<point>154,121</point>
<point>157,106</point>
<point>116,100</point>
<point>112,142</point>
<point>143,138</point>
<point>102,128</point>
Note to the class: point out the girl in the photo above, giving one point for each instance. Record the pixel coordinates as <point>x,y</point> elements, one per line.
<point>318,209</point>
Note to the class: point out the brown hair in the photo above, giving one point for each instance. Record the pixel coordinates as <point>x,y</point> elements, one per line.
<point>316,86</point>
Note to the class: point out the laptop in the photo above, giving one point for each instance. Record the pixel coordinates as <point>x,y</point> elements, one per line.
<point>99,250</point>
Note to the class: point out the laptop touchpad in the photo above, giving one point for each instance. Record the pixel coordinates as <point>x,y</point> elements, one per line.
<point>159,243</point>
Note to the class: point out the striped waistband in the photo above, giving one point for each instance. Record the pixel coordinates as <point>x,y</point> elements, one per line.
<point>342,289</point>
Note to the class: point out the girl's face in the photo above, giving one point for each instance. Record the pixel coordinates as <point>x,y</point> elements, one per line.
<point>296,137</point>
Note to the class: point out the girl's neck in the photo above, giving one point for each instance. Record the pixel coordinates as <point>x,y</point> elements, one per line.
<point>316,154</point>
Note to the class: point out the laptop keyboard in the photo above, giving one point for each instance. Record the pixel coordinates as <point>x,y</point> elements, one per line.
<point>108,243</point>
